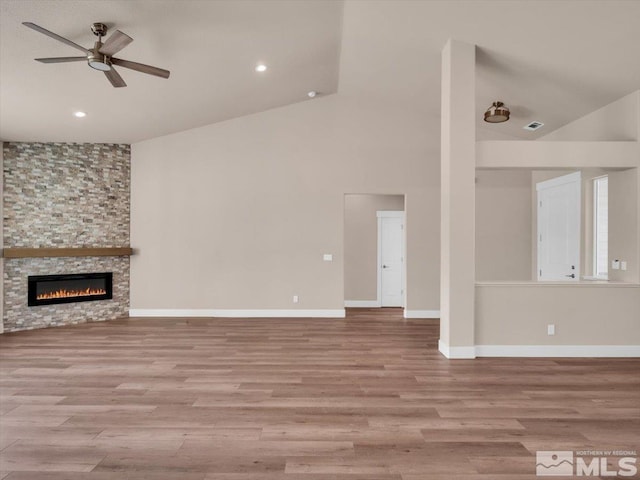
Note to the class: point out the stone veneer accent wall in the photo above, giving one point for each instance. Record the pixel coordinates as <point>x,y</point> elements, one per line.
<point>64,195</point>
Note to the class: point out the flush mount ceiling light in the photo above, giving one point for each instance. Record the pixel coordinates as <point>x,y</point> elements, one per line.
<point>312,94</point>
<point>80,114</point>
<point>261,67</point>
<point>496,113</point>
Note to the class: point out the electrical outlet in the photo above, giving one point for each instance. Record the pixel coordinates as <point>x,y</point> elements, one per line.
<point>296,299</point>
<point>615,264</point>
<point>551,329</point>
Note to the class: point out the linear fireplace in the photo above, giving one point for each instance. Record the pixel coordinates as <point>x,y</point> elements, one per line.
<point>81,287</point>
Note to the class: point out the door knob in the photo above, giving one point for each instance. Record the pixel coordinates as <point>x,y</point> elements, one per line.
<point>573,275</point>
<point>384,266</point>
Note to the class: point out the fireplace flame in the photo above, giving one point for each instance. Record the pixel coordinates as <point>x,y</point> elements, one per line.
<point>63,293</point>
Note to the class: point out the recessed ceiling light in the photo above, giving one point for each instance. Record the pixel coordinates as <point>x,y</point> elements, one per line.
<point>80,114</point>
<point>261,67</point>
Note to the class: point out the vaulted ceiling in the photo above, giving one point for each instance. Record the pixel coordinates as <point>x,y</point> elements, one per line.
<point>548,61</point>
<point>210,47</point>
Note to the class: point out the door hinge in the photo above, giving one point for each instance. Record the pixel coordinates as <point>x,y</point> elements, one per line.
<point>540,272</point>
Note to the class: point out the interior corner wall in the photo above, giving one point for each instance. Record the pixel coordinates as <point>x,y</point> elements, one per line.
<point>361,243</point>
<point>238,214</point>
<point>503,225</point>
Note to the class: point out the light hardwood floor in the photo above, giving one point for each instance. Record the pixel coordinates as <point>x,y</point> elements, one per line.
<point>366,397</point>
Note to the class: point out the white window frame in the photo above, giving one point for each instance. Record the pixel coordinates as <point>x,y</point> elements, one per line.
<point>595,183</point>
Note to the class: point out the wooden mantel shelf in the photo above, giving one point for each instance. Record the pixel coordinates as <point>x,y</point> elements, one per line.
<point>67,252</point>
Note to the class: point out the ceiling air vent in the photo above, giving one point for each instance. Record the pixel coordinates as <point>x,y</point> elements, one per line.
<point>533,126</point>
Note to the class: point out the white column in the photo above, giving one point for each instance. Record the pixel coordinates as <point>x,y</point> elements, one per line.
<point>457,220</point>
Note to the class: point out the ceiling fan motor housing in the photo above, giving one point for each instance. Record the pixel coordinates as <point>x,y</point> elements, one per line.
<point>99,29</point>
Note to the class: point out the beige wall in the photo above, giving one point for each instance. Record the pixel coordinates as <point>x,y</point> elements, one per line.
<point>582,314</point>
<point>623,224</point>
<point>586,220</point>
<point>557,155</point>
<point>506,222</point>
<point>503,225</point>
<point>237,215</point>
<point>361,243</point>
<point>617,121</point>
<point>2,237</point>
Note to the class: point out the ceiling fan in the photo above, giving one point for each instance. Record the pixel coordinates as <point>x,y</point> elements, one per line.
<point>101,56</point>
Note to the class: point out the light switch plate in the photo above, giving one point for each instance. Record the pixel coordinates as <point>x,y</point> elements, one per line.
<point>615,264</point>
<point>327,257</point>
<point>551,329</point>
<point>623,265</point>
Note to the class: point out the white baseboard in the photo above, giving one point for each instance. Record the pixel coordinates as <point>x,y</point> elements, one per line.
<point>584,351</point>
<point>421,313</point>
<point>230,313</point>
<point>456,352</point>
<point>532,351</point>
<point>361,304</point>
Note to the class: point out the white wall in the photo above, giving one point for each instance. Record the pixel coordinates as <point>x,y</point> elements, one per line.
<point>237,215</point>
<point>361,243</point>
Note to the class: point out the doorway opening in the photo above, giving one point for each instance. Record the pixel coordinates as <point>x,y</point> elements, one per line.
<point>374,251</point>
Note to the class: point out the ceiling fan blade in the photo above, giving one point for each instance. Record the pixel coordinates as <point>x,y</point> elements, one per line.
<point>141,67</point>
<point>60,59</point>
<point>115,78</point>
<point>55,36</point>
<point>116,42</point>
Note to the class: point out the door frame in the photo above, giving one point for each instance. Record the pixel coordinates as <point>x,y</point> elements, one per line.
<point>391,214</point>
<point>575,177</point>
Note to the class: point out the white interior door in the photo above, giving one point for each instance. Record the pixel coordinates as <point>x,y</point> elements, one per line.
<point>559,228</point>
<point>391,259</point>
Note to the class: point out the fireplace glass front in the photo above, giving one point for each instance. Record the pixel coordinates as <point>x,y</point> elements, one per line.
<point>80,287</point>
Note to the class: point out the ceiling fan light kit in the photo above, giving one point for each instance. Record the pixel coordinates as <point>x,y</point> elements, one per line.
<point>100,57</point>
<point>496,113</point>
